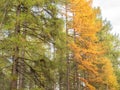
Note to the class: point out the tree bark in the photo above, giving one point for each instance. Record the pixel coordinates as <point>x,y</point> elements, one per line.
<point>67,55</point>
<point>16,52</point>
<point>21,61</point>
<point>14,70</point>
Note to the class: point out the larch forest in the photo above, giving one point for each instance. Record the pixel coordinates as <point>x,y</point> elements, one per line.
<point>57,45</point>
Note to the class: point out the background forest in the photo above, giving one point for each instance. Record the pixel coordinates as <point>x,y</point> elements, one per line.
<point>57,45</point>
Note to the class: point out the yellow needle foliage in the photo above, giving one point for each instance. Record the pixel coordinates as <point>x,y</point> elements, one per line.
<point>108,74</point>
<point>85,25</point>
<point>86,50</point>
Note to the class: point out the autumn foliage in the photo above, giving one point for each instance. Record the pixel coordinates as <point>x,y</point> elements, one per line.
<point>87,50</point>
<point>56,45</point>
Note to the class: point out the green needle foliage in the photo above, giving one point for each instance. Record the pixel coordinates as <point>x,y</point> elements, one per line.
<point>35,52</point>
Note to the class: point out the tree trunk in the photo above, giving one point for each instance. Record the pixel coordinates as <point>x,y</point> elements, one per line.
<point>21,72</point>
<point>21,61</point>
<point>14,70</point>
<point>67,55</point>
<point>16,52</point>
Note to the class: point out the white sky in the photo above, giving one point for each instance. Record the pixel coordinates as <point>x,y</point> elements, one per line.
<point>111,11</point>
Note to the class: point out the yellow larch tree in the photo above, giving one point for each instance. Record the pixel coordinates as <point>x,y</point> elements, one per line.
<point>93,67</point>
<point>85,48</point>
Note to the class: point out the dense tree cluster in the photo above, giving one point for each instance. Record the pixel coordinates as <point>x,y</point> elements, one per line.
<point>56,45</point>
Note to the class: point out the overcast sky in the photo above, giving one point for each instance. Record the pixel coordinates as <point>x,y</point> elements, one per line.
<point>111,11</point>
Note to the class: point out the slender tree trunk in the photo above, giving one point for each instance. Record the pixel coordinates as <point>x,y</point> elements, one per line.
<point>77,85</point>
<point>68,75</point>
<point>16,53</point>
<point>107,88</point>
<point>67,55</point>
<point>60,86</point>
<point>21,72</point>
<point>14,70</point>
<point>21,61</point>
